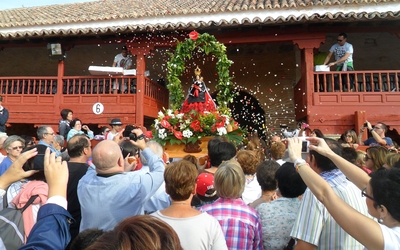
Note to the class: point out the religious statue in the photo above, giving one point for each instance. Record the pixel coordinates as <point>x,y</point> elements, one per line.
<point>198,97</point>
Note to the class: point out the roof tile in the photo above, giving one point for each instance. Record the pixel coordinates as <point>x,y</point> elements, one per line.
<point>107,10</point>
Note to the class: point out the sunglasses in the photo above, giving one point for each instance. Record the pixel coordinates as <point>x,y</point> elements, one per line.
<point>17,147</point>
<point>366,158</point>
<point>364,194</point>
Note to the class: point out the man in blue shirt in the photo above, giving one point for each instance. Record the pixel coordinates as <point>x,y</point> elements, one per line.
<point>108,194</point>
<point>378,135</point>
<point>46,135</point>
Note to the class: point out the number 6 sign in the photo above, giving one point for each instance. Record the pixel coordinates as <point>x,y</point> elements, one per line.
<point>98,108</point>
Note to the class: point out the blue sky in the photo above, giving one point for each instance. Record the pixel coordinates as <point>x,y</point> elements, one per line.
<point>9,4</point>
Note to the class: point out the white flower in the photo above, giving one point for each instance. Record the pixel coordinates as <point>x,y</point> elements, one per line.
<point>187,133</point>
<point>182,126</point>
<point>160,114</point>
<point>179,116</point>
<point>169,112</point>
<point>161,134</point>
<point>221,131</point>
<point>156,122</point>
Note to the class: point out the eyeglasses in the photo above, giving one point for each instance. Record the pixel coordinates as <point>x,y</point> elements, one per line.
<point>377,127</point>
<point>17,147</point>
<point>366,158</point>
<point>49,133</point>
<point>349,136</point>
<point>364,194</point>
<point>31,143</point>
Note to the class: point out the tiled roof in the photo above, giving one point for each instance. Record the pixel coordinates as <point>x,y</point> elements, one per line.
<point>119,15</point>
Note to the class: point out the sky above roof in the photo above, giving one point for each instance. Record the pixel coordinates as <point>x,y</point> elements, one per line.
<point>29,3</point>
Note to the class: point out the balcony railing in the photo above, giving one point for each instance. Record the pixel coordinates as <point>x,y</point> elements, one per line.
<point>357,81</point>
<point>80,85</point>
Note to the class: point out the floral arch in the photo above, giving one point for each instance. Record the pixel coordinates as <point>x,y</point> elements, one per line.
<point>176,66</point>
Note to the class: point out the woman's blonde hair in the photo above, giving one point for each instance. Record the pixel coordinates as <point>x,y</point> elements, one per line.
<point>391,159</point>
<point>229,180</point>
<point>360,161</point>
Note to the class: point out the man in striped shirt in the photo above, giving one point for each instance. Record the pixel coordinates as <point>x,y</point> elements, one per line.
<point>314,227</point>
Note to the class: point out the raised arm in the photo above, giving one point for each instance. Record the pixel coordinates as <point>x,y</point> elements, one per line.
<point>51,230</point>
<point>153,179</point>
<point>15,172</point>
<point>352,172</point>
<point>362,228</point>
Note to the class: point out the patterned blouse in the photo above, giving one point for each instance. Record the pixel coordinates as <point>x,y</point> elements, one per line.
<point>277,219</point>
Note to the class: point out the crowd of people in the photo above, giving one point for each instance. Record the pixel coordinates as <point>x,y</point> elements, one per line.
<point>126,193</point>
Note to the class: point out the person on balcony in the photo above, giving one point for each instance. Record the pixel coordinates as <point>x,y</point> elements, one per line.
<point>3,116</point>
<point>378,135</point>
<point>124,60</point>
<point>343,52</point>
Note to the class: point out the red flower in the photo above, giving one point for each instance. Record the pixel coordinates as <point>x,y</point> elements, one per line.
<point>178,135</point>
<point>194,35</point>
<point>149,134</point>
<point>196,126</point>
<point>165,124</point>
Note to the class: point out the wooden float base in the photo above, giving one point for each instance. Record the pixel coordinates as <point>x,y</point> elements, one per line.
<point>176,151</point>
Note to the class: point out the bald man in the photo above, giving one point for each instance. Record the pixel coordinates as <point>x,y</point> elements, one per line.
<point>108,194</point>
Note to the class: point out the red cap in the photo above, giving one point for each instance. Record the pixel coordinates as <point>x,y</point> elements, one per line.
<point>205,182</point>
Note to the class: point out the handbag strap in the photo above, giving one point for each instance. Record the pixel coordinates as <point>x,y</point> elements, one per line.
<point>290,244</point>
<point>30,201</point>
<point>5,202</point>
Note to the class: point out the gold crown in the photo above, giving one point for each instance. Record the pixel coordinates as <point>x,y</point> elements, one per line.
<point>197,71</point>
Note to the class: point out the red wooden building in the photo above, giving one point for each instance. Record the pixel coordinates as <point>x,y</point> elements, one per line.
<point>272,45</point>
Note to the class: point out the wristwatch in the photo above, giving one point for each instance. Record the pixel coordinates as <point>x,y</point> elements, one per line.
<point>299,161</point>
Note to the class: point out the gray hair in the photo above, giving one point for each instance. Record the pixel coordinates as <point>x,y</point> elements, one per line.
<point>156,148</point>
<point>11,139</point>
<point>59,139</point>
<point>42,130</point>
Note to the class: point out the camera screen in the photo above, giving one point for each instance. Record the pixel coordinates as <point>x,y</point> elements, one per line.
<point>304,147</point>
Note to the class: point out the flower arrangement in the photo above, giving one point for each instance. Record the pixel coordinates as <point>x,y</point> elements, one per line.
<point>176,128</point>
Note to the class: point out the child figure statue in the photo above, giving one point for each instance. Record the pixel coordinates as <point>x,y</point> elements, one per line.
<point>198,98</point>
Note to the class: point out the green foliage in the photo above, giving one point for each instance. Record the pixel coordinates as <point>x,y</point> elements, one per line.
<point>176,66</point>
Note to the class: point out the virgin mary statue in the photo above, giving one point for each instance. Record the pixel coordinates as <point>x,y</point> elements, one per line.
<point>198,97</point>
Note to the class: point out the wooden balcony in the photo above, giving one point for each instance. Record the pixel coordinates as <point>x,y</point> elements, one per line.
<point>38,100</point>
<point>336,96</point>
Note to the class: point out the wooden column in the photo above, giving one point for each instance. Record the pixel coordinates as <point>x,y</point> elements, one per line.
<point>60,75</point>
<point>307,67</point>
<point>140,82</point>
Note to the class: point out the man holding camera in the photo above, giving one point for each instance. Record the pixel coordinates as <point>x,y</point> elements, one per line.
<point>378,135</point>
<point>108,194</point>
